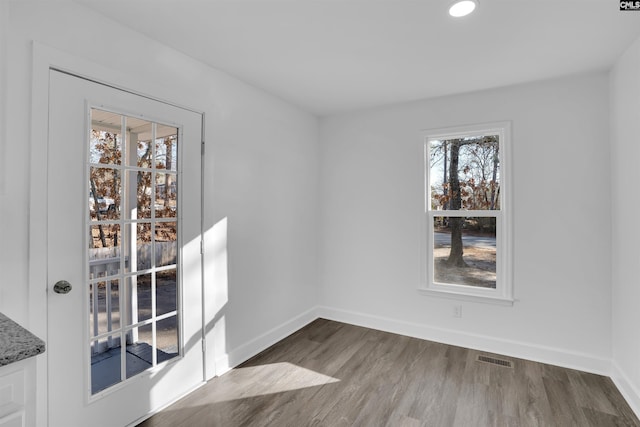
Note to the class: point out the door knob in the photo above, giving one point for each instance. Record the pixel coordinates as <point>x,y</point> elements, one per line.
<point>62,287</point>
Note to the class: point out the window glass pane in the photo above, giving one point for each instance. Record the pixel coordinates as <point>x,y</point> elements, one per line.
<point>464,251</point>
<point>166,244</point>
<point>166,148</point>
<point>105,142</point>
<point>104,194</point>
<point>464,173</point>
<point>104,307</point>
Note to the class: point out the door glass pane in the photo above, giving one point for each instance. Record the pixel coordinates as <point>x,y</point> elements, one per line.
<point>133,250</point>
<point>139,291</point>
<point>143,245</point>
<point>167,148</point>
<point>144,154</point>
<point>105,142</point>
<point>104,307</point>
<point>104,194</point>
<point>140,350</point>
<point>140,137</point>
<point>167,338</point>
<point>104,250</point>
<point>464,251</point>
<point>105,363</point>
<point>166,244</point>
<point>166,195</point>
<point>144,191</point>
<point>166,291</point>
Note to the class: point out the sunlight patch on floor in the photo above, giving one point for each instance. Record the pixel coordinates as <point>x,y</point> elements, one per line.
<point>261,380</point>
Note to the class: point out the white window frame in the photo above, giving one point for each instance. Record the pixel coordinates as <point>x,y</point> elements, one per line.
<point>503,293</point>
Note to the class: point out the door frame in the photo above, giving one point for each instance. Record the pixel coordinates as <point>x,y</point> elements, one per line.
<point>44,59</point>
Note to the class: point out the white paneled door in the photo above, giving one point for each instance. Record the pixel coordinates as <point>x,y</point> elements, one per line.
<point>124,260</point>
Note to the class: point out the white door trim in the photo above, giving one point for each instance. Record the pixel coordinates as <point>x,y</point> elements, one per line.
<point>45,58</point>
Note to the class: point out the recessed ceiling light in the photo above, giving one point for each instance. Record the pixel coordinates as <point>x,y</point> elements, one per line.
<point>462,8</point>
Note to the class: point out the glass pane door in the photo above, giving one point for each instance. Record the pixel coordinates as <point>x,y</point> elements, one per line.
<point>133,257</point>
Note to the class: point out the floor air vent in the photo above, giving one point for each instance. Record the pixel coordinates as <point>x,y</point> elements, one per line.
<point>494,361</point>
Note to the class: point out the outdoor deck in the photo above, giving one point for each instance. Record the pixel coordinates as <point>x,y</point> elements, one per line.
<point>105,366</point>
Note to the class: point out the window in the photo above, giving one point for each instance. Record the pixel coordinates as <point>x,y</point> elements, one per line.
<point>467,212</point>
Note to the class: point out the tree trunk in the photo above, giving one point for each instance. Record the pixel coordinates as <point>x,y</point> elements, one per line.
<point>445,181</point>
<point>96,205</point>
<point>494,183</point>
<point>455,256</point>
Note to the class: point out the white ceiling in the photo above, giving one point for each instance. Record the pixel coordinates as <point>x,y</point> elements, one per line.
<point>330,56</point>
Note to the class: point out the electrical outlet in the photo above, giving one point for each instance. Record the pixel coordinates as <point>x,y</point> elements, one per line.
<point>457,311</point>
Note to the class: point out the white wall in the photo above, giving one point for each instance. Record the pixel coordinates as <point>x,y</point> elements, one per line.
<point>261,165</point>
<point>372,202</point>
<point>4,24</point>
<point>625,143</point>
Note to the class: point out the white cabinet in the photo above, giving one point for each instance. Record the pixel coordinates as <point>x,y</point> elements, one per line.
<point>17,394</point>
<point>15,419</point>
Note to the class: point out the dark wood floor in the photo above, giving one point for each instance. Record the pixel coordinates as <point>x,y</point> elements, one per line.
<point>333,374</point>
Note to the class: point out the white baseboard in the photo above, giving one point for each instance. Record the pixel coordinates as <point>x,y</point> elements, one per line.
<point>543,354</point>
<point>247,350</point>
<point>626,388</point>
<point>522,350</point>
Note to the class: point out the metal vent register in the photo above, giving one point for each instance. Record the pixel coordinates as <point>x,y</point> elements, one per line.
<point>494,361</point>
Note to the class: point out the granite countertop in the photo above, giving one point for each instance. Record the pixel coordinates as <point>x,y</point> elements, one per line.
<point>16,343</point>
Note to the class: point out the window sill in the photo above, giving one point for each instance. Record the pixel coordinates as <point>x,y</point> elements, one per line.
<point>467,297</point>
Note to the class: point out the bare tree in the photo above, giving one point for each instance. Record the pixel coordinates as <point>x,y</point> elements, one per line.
<point>455,202</point>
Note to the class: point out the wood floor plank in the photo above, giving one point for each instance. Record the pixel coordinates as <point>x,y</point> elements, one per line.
<point>562,401</point>
<point>621,405</point>
<point>597,419</point>
<point>589,394</point>
<point>420,397</point>
<point>331,374</point>
<point>533,402</point>
<point>368,364</point>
